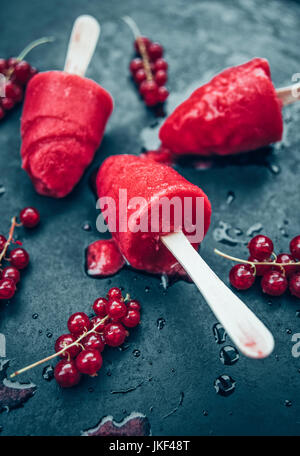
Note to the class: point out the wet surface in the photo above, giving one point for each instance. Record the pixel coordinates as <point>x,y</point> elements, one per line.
<point>200,38</point>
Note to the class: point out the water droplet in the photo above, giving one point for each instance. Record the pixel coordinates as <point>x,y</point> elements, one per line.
<point>108,373</point>
<point>173,370</point>
<point>35,316</point>
<point>160,323</point>
<point>48,373</point>
<point>222,234</point>
<point>283,232</point>
<point>275,169</point>
<point>219,333</point>
<point>40,331</point>
<point>147,289</point>
<point>229,355</point>
<point>90,389</point>
<point>224,385</point>
<point>49,334</point>
<point>287,403</point>
<point>238,231</point>
<point>230,197</point>
<point>298,313</point>
<point>136,353</point>
<point>288,331</point>
<point>205,413</point>
<point>2,190</point>
<point>124,347</point>
<point>87,226</point>
<point>256,228</point>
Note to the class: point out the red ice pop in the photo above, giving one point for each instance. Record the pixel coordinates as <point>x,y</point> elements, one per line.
<point>237,111</point>
<point>64,118</point>
<point>151,181</point>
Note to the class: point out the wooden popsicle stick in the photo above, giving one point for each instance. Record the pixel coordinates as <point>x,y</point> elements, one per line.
<point>248,333</point>
<point>83,40</point>
<point>289,95</point>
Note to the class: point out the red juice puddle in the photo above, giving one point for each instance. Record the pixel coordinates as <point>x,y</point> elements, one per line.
<point>13,394</point>
<point>135,424</point>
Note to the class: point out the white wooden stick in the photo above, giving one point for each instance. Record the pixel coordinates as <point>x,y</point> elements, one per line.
<point>247,332</point>
<point>289,94</point>
<point>83,40</point>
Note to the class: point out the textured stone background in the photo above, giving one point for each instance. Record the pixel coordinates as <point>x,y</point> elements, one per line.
<point>200,38</point>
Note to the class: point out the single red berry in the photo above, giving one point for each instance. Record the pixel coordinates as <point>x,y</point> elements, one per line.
<point>94,341</point>
<point>260,247</point>
<point>294,285</point>
<point>116,309</point>
<point>7,288</point>
<point>134,305</point>
<point>2,242</point>
<point>295,247</point>
<point>3,65</point>
<point>13,91</point>
<point>242,276</point>
<point>114,334</point>
<point>135,65</point>
<point>66,373</point>
<point>11,273</point>
<point>78,323</point>
<point>132,318</point>
<point>97,321</point>
<point>114,293</point>
<point>160,64</point>
<point>19,258</point>
<point>33,71</point>
<point>30,217</point>
<point>22,72</point>
<point>7,103</point>
<point>64,341</point>
<point>274,283</point>
<point>155,51</point>
<point>145,40</point>
<point>285,258</point>
<point>162,94</point>
<point>260,268</point>
<point>161,77</point>
<point>89,362</point>
<point>12,62</point>
<point>140,76</point>
<point>99,307</point>
<point>148,87</point>
<point>2,113</point>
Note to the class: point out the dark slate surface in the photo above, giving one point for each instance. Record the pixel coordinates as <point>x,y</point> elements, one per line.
<point>200,38</point>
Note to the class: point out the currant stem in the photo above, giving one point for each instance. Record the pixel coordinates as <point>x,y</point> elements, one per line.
<point>253,263</point>
<point>9,239</point>
<point>34,44</point>
<point>44,360</point>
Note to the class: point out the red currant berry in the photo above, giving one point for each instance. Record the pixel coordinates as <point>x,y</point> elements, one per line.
<point>132,318</point>
<point>66,373</point>
<point>30,217</point>
<point>96,321</point>
<point>242,276</point>
<point>22,72</point>
<point>134,305</point>
<point>2,113</point>
<point>155,51</point>
<point>99,307</point>
<point>148,87</point>
<point>160,77</point>
<point>295,247</point>
<point>2,242</point>
<point>89,362</point>
<point>114,334</point>
<point>7,288</point>
<point>162,94</point>
<point>114,293</point>
<point>11,273</point>
<point>7,103</point>
<point>260,268</point>
<point>13,91</point>
<point>93,341</point>
<point>78,323</point>
<point>19,258</point>
<point>140,76</point>
<point>12,62</point>
<point>145,40</point>
<point>284,258</point>
<point>260,247</point>
<point>135,65</point>
<point>294,285</point>
<point>33,71</point>
<point>3,65</point>
<point>116,309</point>
<point>274,283</point>
<point>160,64</point>
<point>64,341</point>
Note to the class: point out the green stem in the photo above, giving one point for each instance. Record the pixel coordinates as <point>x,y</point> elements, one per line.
<point>34,44</point>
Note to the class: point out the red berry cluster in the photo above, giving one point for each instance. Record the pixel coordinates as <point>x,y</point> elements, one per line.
<point>18,258</point>
<point>81,349</point>
<point>149,71</point>
<point>278,272</point>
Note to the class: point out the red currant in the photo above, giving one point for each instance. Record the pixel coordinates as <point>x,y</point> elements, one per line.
<point>11,273</point>
<point>135,65</point>
<point>294,285</point>
<point>132,318</point>
<point>148,87</point>
<point>2,242</point>
<point>284,258</point>
<point>140,76</point>
<point>19,258</point>
<point>12,62</point>
<point>116,309</point>
<point>22,72</point>
<point>114,293</point>
<point>162,94</point>
<point>260,268</point>
<point>151,99</point>
<point>96,321</point>
<point>160,77</point>
<point>241,276</point>
<point>160,64</point>
<point>7,103</point>
<point>64,341</point>
<point>134,305</point>
<point>30,217</point>
<point>7,288</point>
<point>66,373</point>
<point>3,66</point>
<point>274,283</point>
<point>145,40</point>
<point>99,307</point>
<point>295,247</point>
<point>89,362</point>
<point>94,341</point>
<point>114,334</point>
<point>260,247</point>
<point>13,91</point>
<point>155,51</point>
<point>78,323</point>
